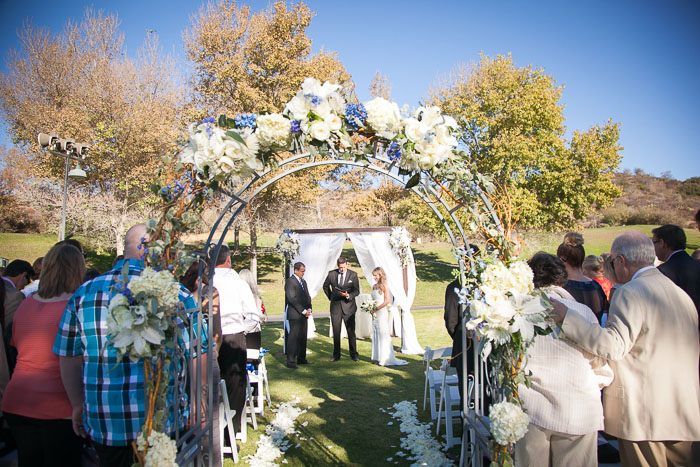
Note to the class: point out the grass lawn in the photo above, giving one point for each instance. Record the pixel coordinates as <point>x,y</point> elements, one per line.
<point>344,421</point>
<point>434,261</point>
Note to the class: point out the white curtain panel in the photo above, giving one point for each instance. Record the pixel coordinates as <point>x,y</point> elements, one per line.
<point>373,249</point>
<point>319,253</point>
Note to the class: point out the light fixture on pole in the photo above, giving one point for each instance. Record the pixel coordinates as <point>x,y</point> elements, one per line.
<point>70,151</point>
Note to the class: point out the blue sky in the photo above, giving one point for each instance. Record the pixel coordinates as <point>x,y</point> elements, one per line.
<point>636,62</point>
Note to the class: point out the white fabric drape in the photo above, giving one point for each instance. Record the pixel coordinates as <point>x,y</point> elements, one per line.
<point>319,253</point>
<point>373,249</point>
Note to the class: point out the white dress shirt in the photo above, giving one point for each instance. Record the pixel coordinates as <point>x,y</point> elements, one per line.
<point>566,380</point>
<point>238,310</point>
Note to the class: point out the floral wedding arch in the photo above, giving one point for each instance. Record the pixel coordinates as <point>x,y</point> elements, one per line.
<point>241,157</point>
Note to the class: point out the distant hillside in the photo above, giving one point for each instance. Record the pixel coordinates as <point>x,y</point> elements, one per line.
<point>647,199</point>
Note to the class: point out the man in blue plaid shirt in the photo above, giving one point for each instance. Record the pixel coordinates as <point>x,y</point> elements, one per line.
<point>112,394</point>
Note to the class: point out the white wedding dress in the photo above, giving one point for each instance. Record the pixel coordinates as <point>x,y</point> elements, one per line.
<point>382,348</point>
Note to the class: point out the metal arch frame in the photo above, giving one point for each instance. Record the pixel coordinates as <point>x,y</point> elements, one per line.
<point>190,442</point>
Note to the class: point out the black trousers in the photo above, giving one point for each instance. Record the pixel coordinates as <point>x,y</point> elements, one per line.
<point>337,317</point>
<point>45,442</point>
<point>114,456</point>
<point>296,340</point>
<point>232,362</point>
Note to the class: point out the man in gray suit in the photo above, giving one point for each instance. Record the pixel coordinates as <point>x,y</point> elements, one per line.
<point>17,275</point>
<point>651,342</point>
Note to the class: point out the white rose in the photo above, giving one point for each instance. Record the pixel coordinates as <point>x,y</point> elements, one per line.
<point>431,116</point>
<point>226,165</point>
<point>311,86</point>
<point>444,136</point>
<point>414,130</point>
<point>334,122</point>
<point>298,107</point>
<point>319,130</point>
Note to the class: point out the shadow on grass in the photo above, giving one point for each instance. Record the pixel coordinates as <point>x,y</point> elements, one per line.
<point>432,268</point>
<point>346,422</point>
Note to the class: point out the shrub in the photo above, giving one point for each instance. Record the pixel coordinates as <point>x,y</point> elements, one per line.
<point>690,187</point>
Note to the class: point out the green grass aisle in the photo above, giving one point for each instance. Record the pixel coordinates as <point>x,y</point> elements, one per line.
<point>344,425</point>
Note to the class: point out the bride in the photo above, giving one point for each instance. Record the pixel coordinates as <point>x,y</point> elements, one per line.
<point>382,348</point>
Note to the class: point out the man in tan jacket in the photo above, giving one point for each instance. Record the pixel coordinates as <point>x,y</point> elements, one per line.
<point>651,342</point>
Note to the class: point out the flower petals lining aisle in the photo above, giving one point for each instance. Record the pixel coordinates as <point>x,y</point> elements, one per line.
<point>274,442</point>
<point>419,440</point>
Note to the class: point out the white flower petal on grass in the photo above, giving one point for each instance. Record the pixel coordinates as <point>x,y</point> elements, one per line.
<point>389,459</point>
<point>305,423</point>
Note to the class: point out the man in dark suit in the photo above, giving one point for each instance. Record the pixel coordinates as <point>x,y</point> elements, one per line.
<point>453,324</point>
<point>669,246</point>
<point>298,303</point>
<point>341,287</point>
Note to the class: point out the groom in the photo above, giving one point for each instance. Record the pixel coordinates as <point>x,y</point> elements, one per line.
<point>341,287</point>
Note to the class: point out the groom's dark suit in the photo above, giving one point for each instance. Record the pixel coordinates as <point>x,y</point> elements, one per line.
<point>297,299</point>
<point>342,308</point>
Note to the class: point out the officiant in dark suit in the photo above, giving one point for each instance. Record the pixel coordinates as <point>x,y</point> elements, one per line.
<point>298,303</point>
<point>341,287</point>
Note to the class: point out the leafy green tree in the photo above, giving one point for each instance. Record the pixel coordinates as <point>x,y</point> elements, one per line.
<point>512,125</point>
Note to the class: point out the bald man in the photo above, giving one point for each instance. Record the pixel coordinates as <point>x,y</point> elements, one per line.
<point>651,343</point>
<point>110,408</point>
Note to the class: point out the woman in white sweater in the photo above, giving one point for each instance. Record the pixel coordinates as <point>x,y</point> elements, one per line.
<point>563,401</point>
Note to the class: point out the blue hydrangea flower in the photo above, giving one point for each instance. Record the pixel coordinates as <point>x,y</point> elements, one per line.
<point>315,100</point>
<point>245,120</point>
<point>355,116</point>
<point>295,126</point>
<point>209,120</point>
<point>394,151</point>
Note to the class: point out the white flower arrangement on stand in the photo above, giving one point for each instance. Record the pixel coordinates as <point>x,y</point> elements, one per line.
<point>506,313</point>
<point>288,244</point>
<point>161,450</point>
<point>400,241</point>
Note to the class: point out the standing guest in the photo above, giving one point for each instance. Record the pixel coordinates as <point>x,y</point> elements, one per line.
<point>563,401</point>
<point>239,315</point>
<point>341,287</point>
<point>669,246</point>
<point>583,289</point>
<point>35,403</point>
<point>609,274</point>
<point>107,395</point>
<point>298,305</point>
<point>592,267</point>
<point>253,339</point>
<point>34,286</point>
<point>17,275</point>
<point>697,219</point>
<point>651,341</point>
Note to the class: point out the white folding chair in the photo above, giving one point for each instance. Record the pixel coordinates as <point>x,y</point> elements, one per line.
<point>450,400</point>
<point>433,377</point>
<point>226,415</point>
<point>248,411</point>
<point>262,372</point>
<point>257,381</point>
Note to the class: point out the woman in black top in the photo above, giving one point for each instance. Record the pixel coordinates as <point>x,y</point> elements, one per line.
<point>581,287</point>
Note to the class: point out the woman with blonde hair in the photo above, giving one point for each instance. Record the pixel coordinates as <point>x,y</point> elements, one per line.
<point>253,339</point>
<point>593,268</point>
<point>35,402</point>
<point>382,347</point>
<point>582,288</point>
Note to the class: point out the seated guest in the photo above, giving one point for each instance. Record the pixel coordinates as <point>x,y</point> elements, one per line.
<point>253,338</point>
<point>35,403</point>
<point>593,268</point>
<point>651,343</point>
<point>583,289</point>
<point>564,400</point>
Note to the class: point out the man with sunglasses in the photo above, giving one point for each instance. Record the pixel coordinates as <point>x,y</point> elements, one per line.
<point>651,342</point>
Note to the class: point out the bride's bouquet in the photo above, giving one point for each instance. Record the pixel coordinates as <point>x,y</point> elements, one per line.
<point>369,306</point>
